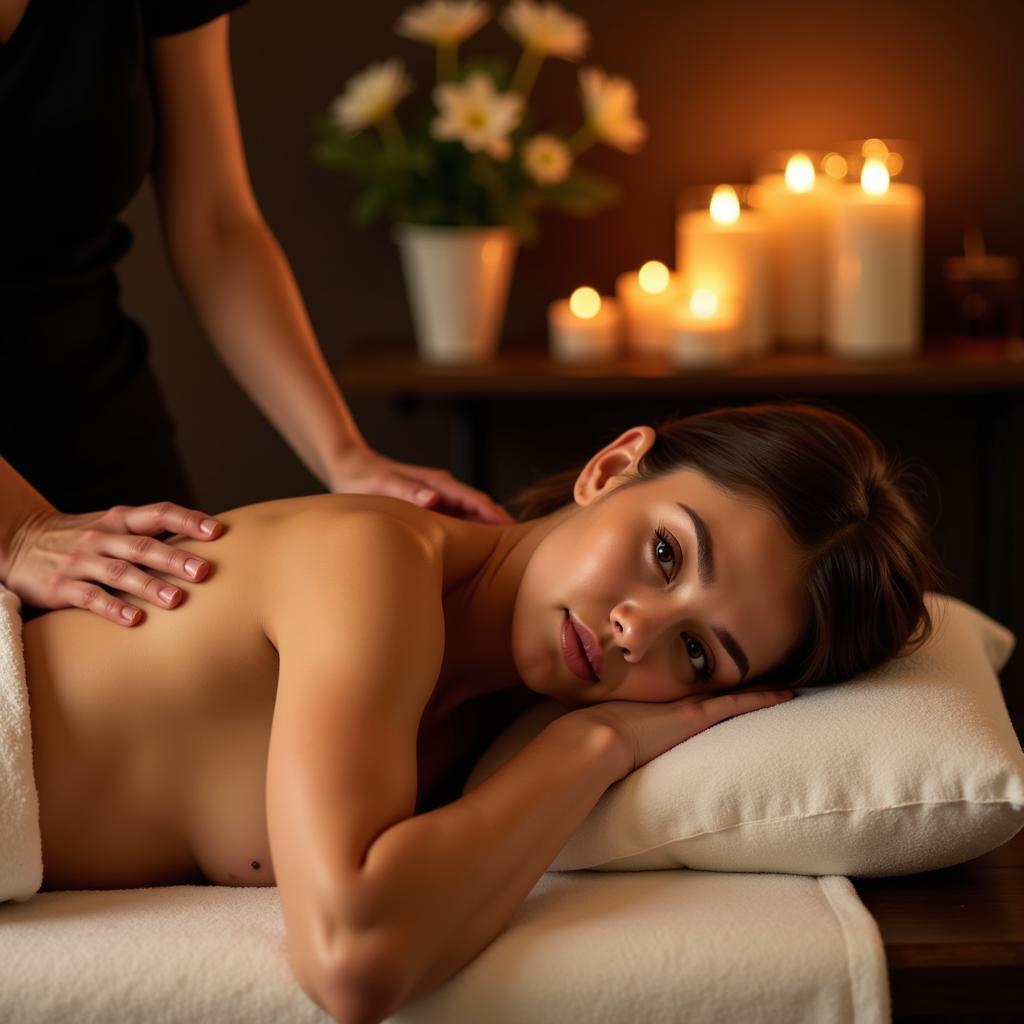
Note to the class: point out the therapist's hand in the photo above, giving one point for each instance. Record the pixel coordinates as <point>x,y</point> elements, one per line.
<point>58,560</point>
<point>363,471</point>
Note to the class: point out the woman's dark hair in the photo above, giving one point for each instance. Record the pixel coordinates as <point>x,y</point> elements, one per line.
<point>869,558</point>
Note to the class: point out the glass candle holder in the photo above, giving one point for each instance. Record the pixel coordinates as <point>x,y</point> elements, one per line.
<point>795,194</point>
<point>875,252</point>
<point>982,293</point>
<point>722,247</point>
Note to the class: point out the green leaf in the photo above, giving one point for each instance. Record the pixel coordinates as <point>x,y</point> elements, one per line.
<point>582,193</point>
<point>371,202</point>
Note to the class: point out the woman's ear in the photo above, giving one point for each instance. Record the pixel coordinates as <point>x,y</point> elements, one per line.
<point>613,464</point>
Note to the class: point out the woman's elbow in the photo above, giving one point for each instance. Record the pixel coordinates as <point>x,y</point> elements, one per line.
<point>360,988</point>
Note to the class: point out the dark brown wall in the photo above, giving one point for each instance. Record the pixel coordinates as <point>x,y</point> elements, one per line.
<point>718,83</point>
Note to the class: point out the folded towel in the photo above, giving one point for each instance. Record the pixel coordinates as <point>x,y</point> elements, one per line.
<point>21,846</point>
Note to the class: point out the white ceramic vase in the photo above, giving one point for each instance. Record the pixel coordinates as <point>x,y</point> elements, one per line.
<point>457,280</point>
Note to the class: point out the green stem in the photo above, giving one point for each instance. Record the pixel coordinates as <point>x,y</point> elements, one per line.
<point>526,72</point>
<point>447,61</point>
<point>391,132</point>
<point>584,138</point>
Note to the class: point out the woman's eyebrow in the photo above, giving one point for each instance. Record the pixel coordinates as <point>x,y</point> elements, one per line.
<point>706,575</point>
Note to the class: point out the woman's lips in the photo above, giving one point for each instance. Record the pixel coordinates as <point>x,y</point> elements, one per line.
<point>573,652</point>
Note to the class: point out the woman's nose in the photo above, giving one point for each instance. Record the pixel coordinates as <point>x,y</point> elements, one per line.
<point>634,628</point>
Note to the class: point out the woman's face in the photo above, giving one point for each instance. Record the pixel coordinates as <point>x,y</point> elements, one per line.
<point>627,565</point>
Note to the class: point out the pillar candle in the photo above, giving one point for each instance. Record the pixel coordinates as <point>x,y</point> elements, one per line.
<point>875,273</point>
<point>646,298</point>
<point>796,203</point>
<point>704,332</point>
<point>723,248</point>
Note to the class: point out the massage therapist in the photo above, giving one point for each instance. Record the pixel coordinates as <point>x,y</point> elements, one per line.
<point>93,96</point>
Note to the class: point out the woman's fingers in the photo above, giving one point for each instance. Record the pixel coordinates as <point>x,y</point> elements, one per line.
<point>165,516</point>
<point>728,705</point>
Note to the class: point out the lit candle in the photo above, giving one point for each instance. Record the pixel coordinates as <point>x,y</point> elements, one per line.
<point>584,328</point>
<point>875,274</point>
<point>647,297</point>
<point>722,247</point>
<point>795,202</point>
<point>704,332</point>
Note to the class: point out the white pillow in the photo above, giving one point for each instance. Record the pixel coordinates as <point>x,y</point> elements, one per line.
<point>911,766</point>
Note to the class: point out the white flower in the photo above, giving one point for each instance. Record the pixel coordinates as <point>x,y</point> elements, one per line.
<point>371,95</point>
<point>610,108</point>
<point>547,29</point>
<point>476,114</point>
<point>547,159</point>
<point>442,21</point>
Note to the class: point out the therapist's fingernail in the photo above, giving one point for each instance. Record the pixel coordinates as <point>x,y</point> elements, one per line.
<point>192,567</point>
<point>425,494</point>
<point>168,594</point>
<point>207,526</point>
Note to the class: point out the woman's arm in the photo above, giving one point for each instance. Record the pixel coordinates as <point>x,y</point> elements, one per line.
<point>381,905</point>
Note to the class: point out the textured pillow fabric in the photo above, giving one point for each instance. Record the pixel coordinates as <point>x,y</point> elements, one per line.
<point>911,766</point>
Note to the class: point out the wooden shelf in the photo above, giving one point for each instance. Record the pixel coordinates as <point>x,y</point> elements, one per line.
<point>982,370</point>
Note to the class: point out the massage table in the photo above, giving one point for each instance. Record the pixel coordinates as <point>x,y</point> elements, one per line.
<point>587,946</point>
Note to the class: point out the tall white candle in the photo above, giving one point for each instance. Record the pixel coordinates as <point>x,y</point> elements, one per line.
<point>876,266</point>
<point>723,248</point>
<point>795,203</point>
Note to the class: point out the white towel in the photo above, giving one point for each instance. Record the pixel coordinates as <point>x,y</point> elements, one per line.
<point>21,846</point>
<point>601,947</point>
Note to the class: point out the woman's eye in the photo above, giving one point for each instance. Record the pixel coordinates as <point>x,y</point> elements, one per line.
<point>695,649</point>
<point>664,552</point>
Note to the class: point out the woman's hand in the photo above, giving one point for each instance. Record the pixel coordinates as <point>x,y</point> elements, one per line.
<point>364,471</point>
<point>57,560</point>
<point>646,730</point>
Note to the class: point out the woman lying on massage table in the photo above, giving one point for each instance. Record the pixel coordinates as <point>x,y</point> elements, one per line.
<point>308,714</point>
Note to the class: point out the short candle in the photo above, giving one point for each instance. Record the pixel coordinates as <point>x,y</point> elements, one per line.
<point>584,328</point>
<point>704,332</point>
<point>647,297</point>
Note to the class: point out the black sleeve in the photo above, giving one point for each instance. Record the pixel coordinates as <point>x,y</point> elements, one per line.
<point>168,17</point>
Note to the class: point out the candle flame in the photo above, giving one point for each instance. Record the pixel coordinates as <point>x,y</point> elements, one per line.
<point>585,303</point>
<point>874,148</point>
<point>874,177</point>
<point>799,173</point>
<point>653,276</point>
<point>725,205</point>
<point>704,303</point>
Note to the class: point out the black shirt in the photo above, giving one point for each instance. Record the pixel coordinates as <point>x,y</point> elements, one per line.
<point>77,133</point>
<point>82,416</point>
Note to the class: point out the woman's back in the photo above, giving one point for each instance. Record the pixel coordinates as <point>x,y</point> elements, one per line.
<point>150,744</point>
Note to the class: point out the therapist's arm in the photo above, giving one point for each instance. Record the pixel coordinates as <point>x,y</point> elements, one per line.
<point>239,283</point>
<point>51,559</point>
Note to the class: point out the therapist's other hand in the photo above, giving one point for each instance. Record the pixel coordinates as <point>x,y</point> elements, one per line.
<point>364,471</point>
<point>58,560</point>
